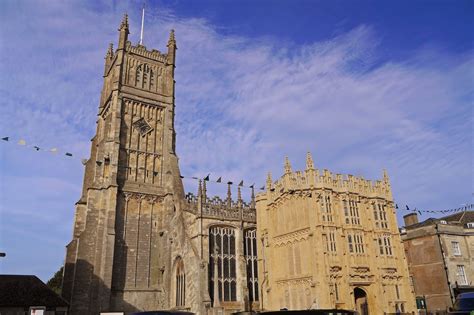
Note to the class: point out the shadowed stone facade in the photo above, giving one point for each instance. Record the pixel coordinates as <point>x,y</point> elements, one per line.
<point>329,241</point>
<point>138,242</point>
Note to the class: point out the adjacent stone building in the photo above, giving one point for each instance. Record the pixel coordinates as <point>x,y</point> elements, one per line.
<point>329,241</point>
<point>440,254</point>
<point>139,243</point>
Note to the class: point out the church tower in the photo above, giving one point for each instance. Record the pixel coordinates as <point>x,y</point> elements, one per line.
<point>119,255</point>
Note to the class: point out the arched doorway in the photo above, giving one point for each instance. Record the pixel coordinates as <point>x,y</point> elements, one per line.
<point>361,303</point>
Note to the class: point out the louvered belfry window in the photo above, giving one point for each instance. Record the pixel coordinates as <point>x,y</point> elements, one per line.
<point>222,253</point>
<point>250,252</point>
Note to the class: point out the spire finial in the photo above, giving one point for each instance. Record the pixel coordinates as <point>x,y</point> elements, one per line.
<point>385,175</point>
<point>269,181</point>
<point>110,51</point>
<point>200,188</point>
<point>123,35</point>
<point>309,161</point>
<point>252,198</point>
<point>204,188</point>
<point>124,24</point>
<point>287,166</point>
<point>239,194</point>
<point>229,192</point>
<point>171,49</point>
<point>171,40</point>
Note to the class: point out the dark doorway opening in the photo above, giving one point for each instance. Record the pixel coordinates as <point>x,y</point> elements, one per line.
<point>361,301</point>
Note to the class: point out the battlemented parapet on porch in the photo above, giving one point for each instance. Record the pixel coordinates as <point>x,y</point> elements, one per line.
<point>313,178</point>
<point>330,241</point>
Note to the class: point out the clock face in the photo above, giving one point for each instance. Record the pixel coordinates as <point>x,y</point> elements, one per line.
<point>142,126</point>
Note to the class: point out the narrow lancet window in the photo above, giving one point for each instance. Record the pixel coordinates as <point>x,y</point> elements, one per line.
<point>250,252</point>
<point>180,283</point>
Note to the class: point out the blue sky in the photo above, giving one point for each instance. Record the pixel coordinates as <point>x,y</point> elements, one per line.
<point>363,85</point>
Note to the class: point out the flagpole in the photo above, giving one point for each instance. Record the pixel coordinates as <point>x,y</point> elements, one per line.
<point>143,21</point>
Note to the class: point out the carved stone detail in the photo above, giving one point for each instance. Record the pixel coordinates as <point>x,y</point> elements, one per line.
<point>305,280</point>
<point>292,237</point>
<point>142,126</point>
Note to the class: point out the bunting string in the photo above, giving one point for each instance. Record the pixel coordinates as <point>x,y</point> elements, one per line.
<point>466,207</point>
<point>52,150</point>
<point>68,154</point>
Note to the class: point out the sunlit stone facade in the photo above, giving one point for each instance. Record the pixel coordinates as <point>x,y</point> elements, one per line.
<point>330,241</point>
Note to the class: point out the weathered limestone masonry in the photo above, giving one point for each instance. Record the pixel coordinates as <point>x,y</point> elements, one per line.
<point>440,255</point>
<point>138,242</point>
<point>119,256</point>
<point>330,242</point>
<point>224,232</point>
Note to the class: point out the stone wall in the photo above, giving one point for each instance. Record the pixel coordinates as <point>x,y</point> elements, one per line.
<point>330,241</point>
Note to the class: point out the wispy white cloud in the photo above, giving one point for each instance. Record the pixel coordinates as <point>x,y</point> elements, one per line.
<point>242,105</point>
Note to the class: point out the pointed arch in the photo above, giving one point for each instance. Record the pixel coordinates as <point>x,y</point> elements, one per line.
<point>180,283</point>
<point>222,263</point>
<point>361,301</point>
<point>144,78</point>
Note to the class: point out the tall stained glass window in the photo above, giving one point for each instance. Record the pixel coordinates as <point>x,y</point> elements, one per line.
<point>250,252</point>
<point>222,254</point>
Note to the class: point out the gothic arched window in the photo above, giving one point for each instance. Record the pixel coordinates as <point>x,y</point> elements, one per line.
<point>180,283</point>
<point>222,257</point>
<point>250,252</point>
<point>144,77</point>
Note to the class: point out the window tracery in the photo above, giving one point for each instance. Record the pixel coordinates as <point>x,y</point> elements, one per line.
<point>222,254</point>
<point>144,78</point>
<point>250,252</point>
<point>180,283</point>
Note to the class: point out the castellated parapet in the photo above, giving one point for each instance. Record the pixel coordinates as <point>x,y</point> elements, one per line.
<point>314,179</point>
<point>330,241</point>
<point>217,208</point>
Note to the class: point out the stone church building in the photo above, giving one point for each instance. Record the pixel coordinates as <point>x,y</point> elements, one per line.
<point>140,243</point>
